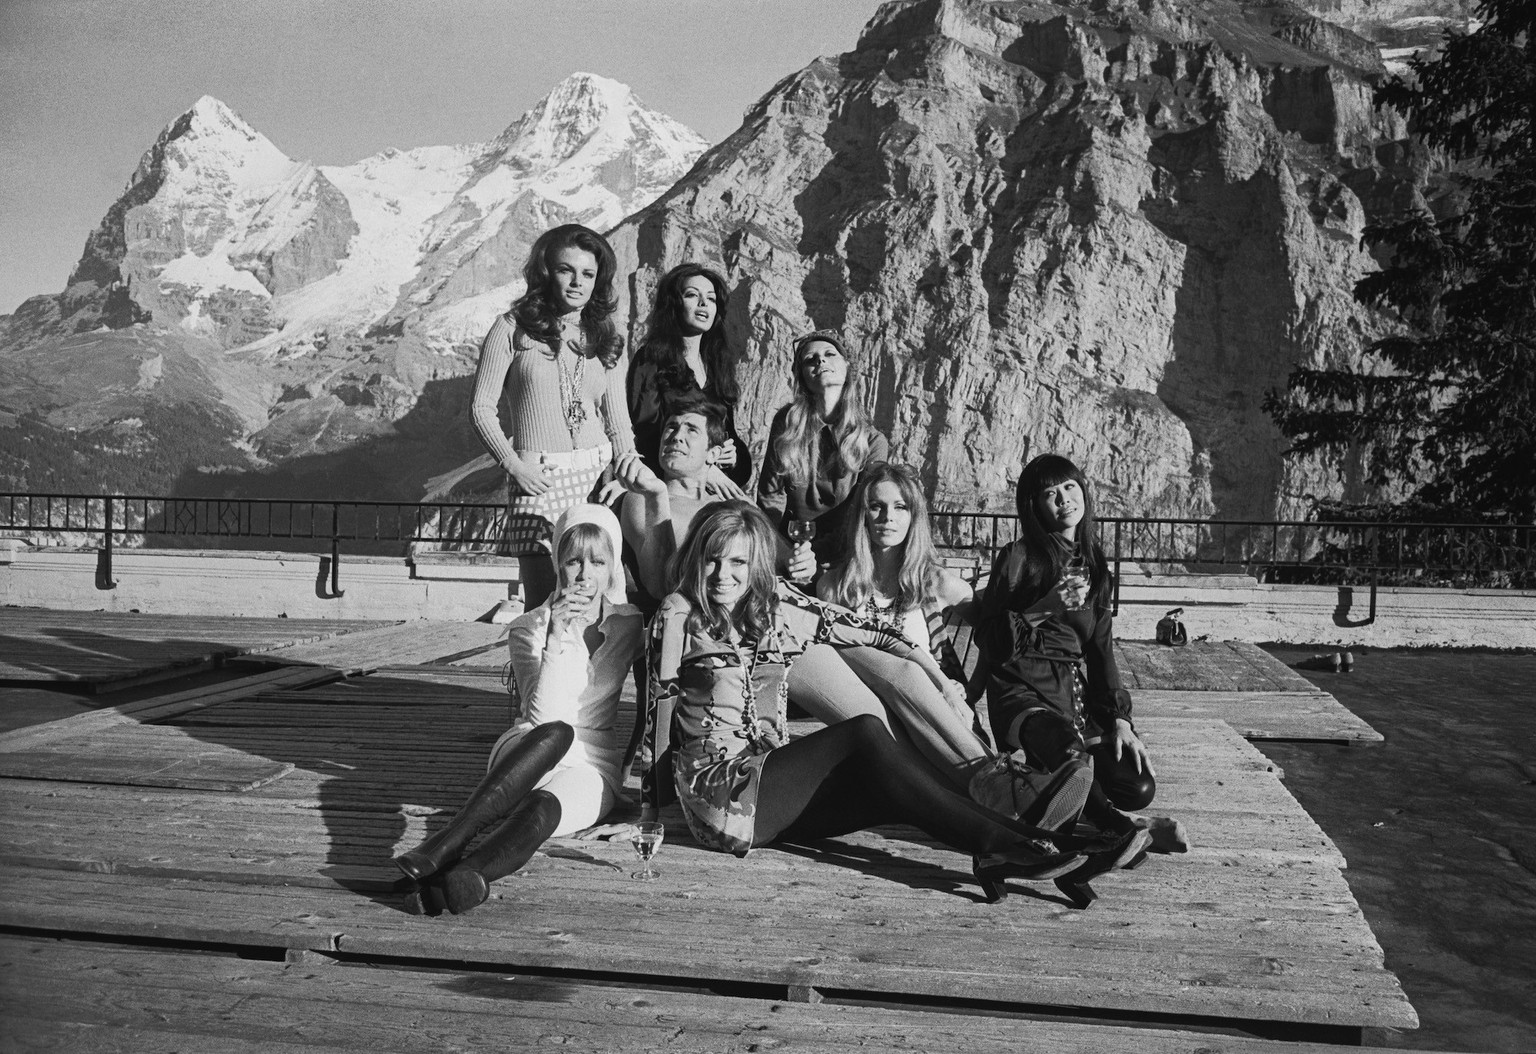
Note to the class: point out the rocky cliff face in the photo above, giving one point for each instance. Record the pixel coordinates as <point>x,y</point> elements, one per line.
<point>1102,229</point>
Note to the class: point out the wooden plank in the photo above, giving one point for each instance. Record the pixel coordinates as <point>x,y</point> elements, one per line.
<point>206,769</point>
<point>400,644</point>
<point>697,928</point>
<point>73,995</point>
<point>160,707</point>
<point>1216,666</point>
<point>104,648</point>
<point>1310,715</point>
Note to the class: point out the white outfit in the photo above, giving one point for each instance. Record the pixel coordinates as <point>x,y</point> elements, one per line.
<point>557,680</point>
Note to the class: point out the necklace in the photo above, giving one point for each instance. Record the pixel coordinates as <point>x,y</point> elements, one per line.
<point>572,380</point>
<point>749,716</point>
<point>881,610</point>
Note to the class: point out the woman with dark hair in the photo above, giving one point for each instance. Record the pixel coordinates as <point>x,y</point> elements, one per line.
<point>1045,631</point>
<point>818,445</point>
<point>557,359</point>
<point>685,354</point>
<point>720,649</point>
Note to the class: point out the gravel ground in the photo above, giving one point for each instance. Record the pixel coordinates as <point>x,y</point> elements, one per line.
<point>1439,827</point>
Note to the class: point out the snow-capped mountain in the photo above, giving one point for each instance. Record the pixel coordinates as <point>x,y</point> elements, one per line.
<point>320,301</point>
<point>588,152</point>
<point>221,233</point>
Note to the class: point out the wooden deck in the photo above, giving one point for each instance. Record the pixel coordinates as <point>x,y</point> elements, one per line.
<point>106,834</point>
<point>1235,682</point>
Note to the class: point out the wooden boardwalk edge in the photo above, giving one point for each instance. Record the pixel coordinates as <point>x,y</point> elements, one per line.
<point>86,996</point>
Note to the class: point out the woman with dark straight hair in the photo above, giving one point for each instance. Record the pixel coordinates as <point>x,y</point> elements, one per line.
<point>1053,689</point>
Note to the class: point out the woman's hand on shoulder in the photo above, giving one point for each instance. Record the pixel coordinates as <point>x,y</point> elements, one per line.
<point>721,487</point>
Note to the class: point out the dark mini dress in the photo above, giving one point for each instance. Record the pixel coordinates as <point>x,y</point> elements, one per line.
<point>1063,662</point>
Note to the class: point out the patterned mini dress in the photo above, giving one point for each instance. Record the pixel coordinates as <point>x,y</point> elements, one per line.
<point>724,705</point>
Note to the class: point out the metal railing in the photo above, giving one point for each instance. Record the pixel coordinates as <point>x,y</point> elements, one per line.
<point>1374,554</point>
<point>367,527</point>
<point>1494,556</point>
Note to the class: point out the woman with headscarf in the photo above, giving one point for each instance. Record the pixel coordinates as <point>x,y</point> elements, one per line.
<point>557,769</point>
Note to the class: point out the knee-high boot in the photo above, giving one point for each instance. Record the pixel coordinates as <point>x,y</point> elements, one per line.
<point>507,848</point>
<point>506,784</point>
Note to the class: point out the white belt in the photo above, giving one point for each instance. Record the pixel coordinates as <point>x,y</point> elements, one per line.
<point>570,459</point>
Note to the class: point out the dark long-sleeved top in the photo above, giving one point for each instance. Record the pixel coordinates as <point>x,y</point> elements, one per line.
<point>1032,654</point>
<point>785,496</point>
<point>651,393</point>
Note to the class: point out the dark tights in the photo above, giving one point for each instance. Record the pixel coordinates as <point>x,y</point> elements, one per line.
<point>852,775</point>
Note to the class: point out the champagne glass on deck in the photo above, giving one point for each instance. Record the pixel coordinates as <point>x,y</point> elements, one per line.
<point>647,842</point>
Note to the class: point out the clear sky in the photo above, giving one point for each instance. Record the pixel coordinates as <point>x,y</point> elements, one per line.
<point>87,85</point>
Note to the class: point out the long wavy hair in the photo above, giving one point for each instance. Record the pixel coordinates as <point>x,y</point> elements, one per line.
<point>663,345</point>
<point>852,579</point>
<point>797,448</point>
<point>714,528</point>
<point>534,311</point>
<point>1043,562</point>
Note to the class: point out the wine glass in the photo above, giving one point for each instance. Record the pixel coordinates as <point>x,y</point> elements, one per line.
<point>802,530</point>
<point>647,841</point>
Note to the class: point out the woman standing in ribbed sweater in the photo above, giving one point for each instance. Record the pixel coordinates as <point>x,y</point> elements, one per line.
<point>558,359</point>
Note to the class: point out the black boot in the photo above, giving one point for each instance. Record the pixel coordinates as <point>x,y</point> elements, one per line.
<point>508,783</point>
<point>505,849</point>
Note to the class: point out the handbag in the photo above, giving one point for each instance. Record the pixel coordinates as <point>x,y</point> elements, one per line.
<point>1171,631</point>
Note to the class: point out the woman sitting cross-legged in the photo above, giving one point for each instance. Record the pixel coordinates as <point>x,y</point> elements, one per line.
<point>557,769</point>
<point>890,575</point>
<point>719,650</point>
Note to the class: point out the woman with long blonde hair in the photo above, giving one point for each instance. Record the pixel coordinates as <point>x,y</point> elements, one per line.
<point>818,445</point>
<point>890,575</point>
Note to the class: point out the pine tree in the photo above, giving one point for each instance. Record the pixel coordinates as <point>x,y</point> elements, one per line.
<point>1446,407</point>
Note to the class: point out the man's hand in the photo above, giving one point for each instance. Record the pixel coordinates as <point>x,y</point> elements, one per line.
<point>634,475</point>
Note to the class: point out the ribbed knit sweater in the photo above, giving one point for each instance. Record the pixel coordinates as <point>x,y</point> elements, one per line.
<point>526,369</point>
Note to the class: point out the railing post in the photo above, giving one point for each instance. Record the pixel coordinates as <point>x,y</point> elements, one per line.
<point>335,549</point>
<point>1115,603</point>
<point>104,578</point>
